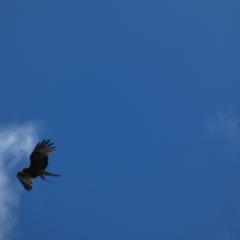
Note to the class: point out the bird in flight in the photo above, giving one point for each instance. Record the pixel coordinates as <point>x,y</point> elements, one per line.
<point>38,163</point>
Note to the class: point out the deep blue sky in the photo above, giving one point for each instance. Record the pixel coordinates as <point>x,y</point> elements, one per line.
<point>141,99</point>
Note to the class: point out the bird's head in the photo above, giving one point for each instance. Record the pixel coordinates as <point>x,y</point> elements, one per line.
<point>21,173</point>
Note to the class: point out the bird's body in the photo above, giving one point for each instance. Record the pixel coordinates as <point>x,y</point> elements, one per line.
<point>38,164</point>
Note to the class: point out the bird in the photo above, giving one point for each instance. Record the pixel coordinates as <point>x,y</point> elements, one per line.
<point>38,164</point>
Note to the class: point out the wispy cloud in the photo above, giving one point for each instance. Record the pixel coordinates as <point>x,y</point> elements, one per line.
<point>16,141</point>
<point>225,128</point>
<point>225,124</point>
<point>224,237</point>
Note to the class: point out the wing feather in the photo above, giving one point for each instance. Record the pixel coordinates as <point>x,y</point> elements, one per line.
<point>39,156</point>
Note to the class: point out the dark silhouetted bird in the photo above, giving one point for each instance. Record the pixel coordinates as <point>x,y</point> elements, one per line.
<point>38,163</point>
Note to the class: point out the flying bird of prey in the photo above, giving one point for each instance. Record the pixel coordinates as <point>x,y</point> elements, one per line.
<point>38,163</point>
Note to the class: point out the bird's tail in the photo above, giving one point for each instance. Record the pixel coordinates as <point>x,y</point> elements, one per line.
<point>50,174</point>
<point>42,176</point>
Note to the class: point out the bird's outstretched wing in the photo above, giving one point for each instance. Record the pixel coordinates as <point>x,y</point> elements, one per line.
<point>25,180</point>
<point>39,156</point>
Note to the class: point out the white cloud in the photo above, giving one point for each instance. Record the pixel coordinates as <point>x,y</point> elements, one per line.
<point>226,124</point>
<point>224,129</point>
<point>16,142</point>
<point>225,237</point>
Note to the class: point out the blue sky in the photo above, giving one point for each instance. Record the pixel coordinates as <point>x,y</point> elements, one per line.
<point>141,99</point>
